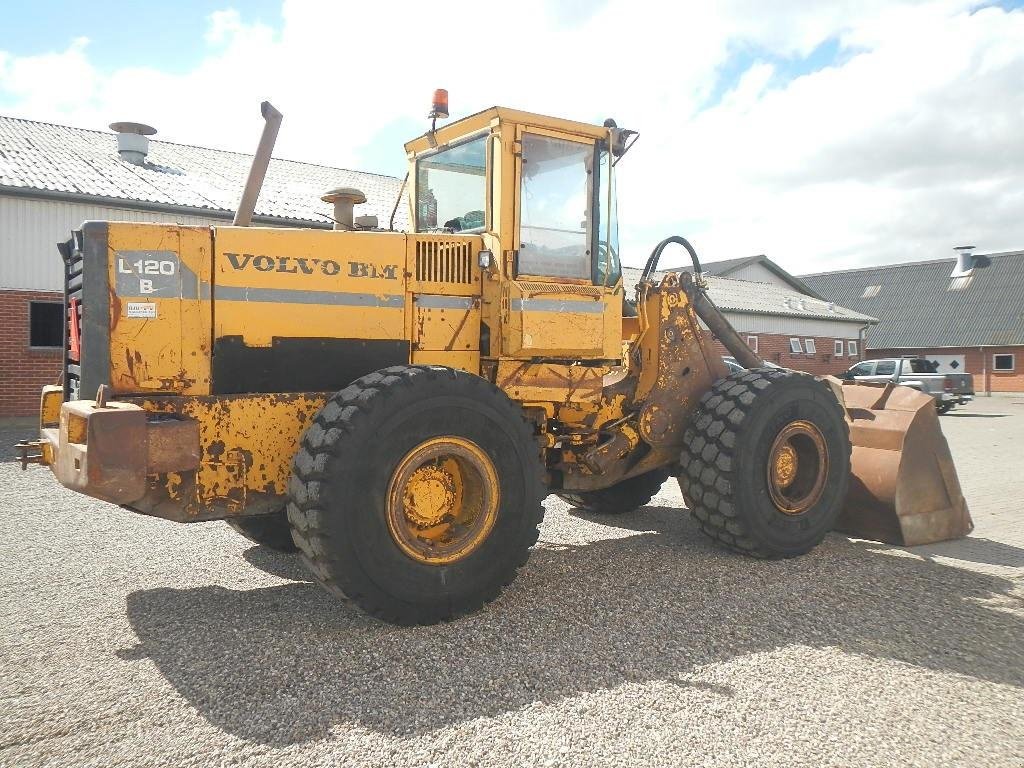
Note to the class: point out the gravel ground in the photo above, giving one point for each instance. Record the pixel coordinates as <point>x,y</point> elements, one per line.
<point>126,640</point>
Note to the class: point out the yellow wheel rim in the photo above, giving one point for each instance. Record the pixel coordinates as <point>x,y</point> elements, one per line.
<point>442,501</point>
<point>797,467</point>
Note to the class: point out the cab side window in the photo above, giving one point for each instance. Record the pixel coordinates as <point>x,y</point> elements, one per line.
<point>555,207</point>
<point>885,368</point>
<point>608,267</point>
<point>862,369</point>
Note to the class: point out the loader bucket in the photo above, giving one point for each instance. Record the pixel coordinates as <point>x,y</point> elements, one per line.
<point>904,488</point>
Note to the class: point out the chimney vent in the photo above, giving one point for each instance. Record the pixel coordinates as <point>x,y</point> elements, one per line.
<point>964,261</point>
<point>133,141</point>
<point>344,198</point>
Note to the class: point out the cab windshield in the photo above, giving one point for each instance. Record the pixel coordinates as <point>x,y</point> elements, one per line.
<point>451,190</point>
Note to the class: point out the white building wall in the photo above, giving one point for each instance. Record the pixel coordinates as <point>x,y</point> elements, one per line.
<point>757,273</point>
<point>30,230</point>
<point>793,326</point>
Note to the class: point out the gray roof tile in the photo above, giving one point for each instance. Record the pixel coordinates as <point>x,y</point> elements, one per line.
<point>917,309</point>
<point>749,297</point>
<point>60,160</point>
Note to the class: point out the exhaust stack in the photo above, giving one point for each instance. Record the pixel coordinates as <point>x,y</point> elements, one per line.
<point>260,163</point>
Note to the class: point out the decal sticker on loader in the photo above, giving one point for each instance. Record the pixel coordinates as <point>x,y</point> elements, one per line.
<point>148,274</point>
<point>141,309</point>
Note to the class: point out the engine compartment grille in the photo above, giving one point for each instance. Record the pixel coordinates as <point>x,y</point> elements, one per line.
<point>444,261</point>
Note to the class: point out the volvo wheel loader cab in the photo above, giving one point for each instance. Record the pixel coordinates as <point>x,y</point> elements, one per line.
<point>397,405</point>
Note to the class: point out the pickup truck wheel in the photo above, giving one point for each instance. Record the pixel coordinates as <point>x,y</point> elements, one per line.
<point>943,407</point>
<point>269,530</point>
<point>416,493</point>
<point>765,463</point>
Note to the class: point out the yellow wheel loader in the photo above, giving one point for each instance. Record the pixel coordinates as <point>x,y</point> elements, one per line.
<point>396,405</point>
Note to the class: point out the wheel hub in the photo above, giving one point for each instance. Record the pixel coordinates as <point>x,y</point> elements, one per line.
<point>442,500</point>
<point>429,496</point>
<point>797,467</point>
<point>785,465</point>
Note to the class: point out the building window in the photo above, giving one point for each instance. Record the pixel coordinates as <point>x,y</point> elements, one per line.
<point>838,349</point>
<point>752,342</point>
<point>1002,363</point>
<point>45,324</point>
<point>871,291</point>
<point>794,346</point>
<point>851,348</point>
<point>809,346</point>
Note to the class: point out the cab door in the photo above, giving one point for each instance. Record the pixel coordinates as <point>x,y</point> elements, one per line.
<point>557,303</point>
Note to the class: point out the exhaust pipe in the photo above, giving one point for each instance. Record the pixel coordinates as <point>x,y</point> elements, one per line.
<point>260,163</point>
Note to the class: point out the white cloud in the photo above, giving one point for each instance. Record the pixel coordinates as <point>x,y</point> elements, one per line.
<point>223,25</point>
<point>905,147</point>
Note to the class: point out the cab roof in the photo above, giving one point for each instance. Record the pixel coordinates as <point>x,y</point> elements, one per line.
<point>484,119</point>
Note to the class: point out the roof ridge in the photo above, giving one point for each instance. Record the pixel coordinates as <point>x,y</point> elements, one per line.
<point>878,267</point>
<point>192,146</point>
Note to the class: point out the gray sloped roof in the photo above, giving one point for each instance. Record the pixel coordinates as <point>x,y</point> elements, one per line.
<point>727,267</point>
<point>916,307</point>
<point>60,161</point>
<point>748,297</point>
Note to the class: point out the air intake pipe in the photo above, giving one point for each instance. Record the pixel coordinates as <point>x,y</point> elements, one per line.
<point>260,163</point>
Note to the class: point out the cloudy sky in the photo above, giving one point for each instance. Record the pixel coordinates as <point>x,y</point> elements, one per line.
<point>824,134</point>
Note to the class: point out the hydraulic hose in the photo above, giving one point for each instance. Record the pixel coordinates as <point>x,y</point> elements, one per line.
<point>704,306</point>
<point>652,262</point>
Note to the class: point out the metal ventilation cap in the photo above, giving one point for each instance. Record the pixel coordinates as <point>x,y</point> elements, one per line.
<point>133,141</point>
<point>127,127</point>
<point>964,261</point>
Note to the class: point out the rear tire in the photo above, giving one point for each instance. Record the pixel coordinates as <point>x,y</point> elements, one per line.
<point>269,530</point>
<point>738,438</point>
<point>943,408</point>
<point>620,498</point>
<point>416,493</point>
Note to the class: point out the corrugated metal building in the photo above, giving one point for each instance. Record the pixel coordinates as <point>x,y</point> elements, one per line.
<point>973,323</point>
<point>53,177</point>
<point>780,317</point>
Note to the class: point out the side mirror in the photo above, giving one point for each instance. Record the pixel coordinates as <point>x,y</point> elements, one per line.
<point>485,258</point>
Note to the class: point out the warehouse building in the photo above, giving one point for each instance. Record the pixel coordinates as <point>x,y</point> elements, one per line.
<point>53,177</point>
<point>964,313</point>
<point>780,317</point>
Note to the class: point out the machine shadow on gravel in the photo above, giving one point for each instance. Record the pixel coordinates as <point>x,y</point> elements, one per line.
<point>289,663</point>
<point>280,564</point>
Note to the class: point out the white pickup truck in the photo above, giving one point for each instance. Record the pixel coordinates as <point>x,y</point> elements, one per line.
<point>948,389</point>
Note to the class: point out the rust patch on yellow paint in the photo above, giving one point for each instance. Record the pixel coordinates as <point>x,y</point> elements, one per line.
<point>247,443</point>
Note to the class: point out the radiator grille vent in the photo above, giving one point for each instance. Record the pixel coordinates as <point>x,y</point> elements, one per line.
<point>444,261</point>
<point>73,277</point>
<point>579,290</point>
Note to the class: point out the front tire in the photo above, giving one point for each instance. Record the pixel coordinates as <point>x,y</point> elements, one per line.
<point>766,462</point>
<point>416,493</point>
<point>620,498</point>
